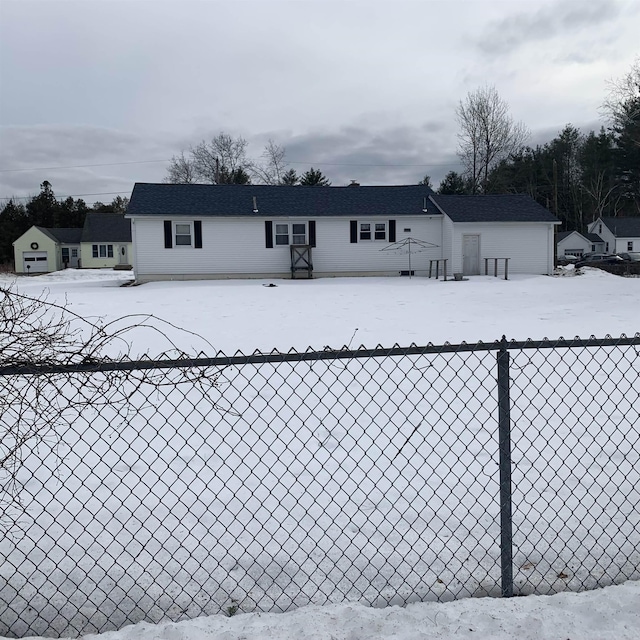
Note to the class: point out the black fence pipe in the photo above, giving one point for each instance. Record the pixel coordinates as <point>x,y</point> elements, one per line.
<point>504,443</point>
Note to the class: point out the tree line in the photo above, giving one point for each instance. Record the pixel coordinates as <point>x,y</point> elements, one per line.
<point>45,210</point>
<point>577,176</point>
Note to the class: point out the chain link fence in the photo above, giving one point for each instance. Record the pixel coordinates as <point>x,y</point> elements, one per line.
<point>270,481</point>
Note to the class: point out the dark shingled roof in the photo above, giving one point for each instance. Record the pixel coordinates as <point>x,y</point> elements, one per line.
<point>591,237</point>
<point>63,235</point>
<point>623,227</point>
<point>238,200</point>
<point>106,227</point>
<point>493,208</point>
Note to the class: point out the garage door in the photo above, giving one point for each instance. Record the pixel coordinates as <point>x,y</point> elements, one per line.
<point>35,261</point>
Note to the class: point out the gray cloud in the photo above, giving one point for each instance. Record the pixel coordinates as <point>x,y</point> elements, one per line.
<point>563,18</point>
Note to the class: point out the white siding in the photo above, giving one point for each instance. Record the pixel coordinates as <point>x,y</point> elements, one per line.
<point>622,245</point>
<point>529,246</point>
<point>573,242</point>
<point>601,229</point>
<point>234,246</point>
<point>615,244</point>
<point>447,244</point>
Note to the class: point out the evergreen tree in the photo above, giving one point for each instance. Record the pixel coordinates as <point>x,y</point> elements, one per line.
<point>13,223</point>
<point>314,178</point>
<point>289,178</point>
<point>454,184</point>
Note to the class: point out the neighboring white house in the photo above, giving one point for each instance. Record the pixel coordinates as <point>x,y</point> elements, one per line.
<point>572,243</point>
<point>40,250</point>
<point>619,235</point>
<point>104,241</point>
<point>192,231</point>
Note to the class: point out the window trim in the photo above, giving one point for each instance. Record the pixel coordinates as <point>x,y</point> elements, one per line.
<point>175,234</point>
<point>97,251</point>
<point>289,224</point>
<point>373,231</point>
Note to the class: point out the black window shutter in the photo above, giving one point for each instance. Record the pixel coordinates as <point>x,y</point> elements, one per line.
<point>168,235</point>
<point>268,234</point>
<point>312,233</point>
<point>197,233</point>
<point>354,231</point>
<point>392,230</point>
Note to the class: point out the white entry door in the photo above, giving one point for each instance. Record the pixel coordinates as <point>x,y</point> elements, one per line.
<point>471,255</point>
<point>35,262</point>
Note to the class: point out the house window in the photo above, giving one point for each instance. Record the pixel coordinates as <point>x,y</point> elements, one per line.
<point>373,231</point>
<point>74,253</point>
<point>606,247</point>
<point>282,234</point>
<point>629,246</point>
<point>183,234</point>
<point>102,250</point>
<point>298,233</point>
<point>593,248</point>
<point>599,228</point>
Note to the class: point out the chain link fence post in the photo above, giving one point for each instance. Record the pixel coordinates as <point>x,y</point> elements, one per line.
<point>504,445</point>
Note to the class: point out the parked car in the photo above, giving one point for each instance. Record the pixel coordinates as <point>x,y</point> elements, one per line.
<point>595,259</point>
<point>631,256</point>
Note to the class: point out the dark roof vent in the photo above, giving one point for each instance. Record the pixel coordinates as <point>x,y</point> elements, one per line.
<point>354,183</point>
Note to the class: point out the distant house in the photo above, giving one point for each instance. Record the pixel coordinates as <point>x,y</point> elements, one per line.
<point>104,241</point>
<point>619,235</point>
<point>256,231</point>
<point>572,243</point>
<point>40,250</point>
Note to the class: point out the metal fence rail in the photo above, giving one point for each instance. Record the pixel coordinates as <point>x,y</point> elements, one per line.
<point>268,481</point>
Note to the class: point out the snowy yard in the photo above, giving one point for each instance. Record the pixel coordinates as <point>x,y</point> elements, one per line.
<point>232,492</point>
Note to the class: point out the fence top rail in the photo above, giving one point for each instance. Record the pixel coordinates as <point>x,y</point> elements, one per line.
<point>345,353</point>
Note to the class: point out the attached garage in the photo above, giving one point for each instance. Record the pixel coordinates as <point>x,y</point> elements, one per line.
<point>40,250</point>
<point>35,262</point>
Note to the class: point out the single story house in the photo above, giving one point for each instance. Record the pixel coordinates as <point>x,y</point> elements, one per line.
<point>41,250</point>
<point>104,241</point>
<point>619,235</point>
<point>195,231</point>
<point>573,243</point>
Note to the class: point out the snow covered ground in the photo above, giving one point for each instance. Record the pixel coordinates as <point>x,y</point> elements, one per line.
<point>246,315</point>
<point>612,613</point>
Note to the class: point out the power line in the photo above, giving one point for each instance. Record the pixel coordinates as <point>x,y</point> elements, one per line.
<point>70,195</point>
<point>82,166</point>
<point>305,162</point>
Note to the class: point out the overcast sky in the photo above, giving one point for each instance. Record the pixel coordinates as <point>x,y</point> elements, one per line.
<point>360,90</point>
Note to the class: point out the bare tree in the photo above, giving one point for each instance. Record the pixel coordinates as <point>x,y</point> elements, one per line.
<point>272,167</point>
<point>224,160</point>
<point>181,170</point>
<point>221,160</point>
<point>622,103</point>
<point>488,134</point>
<point>57,367</point>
